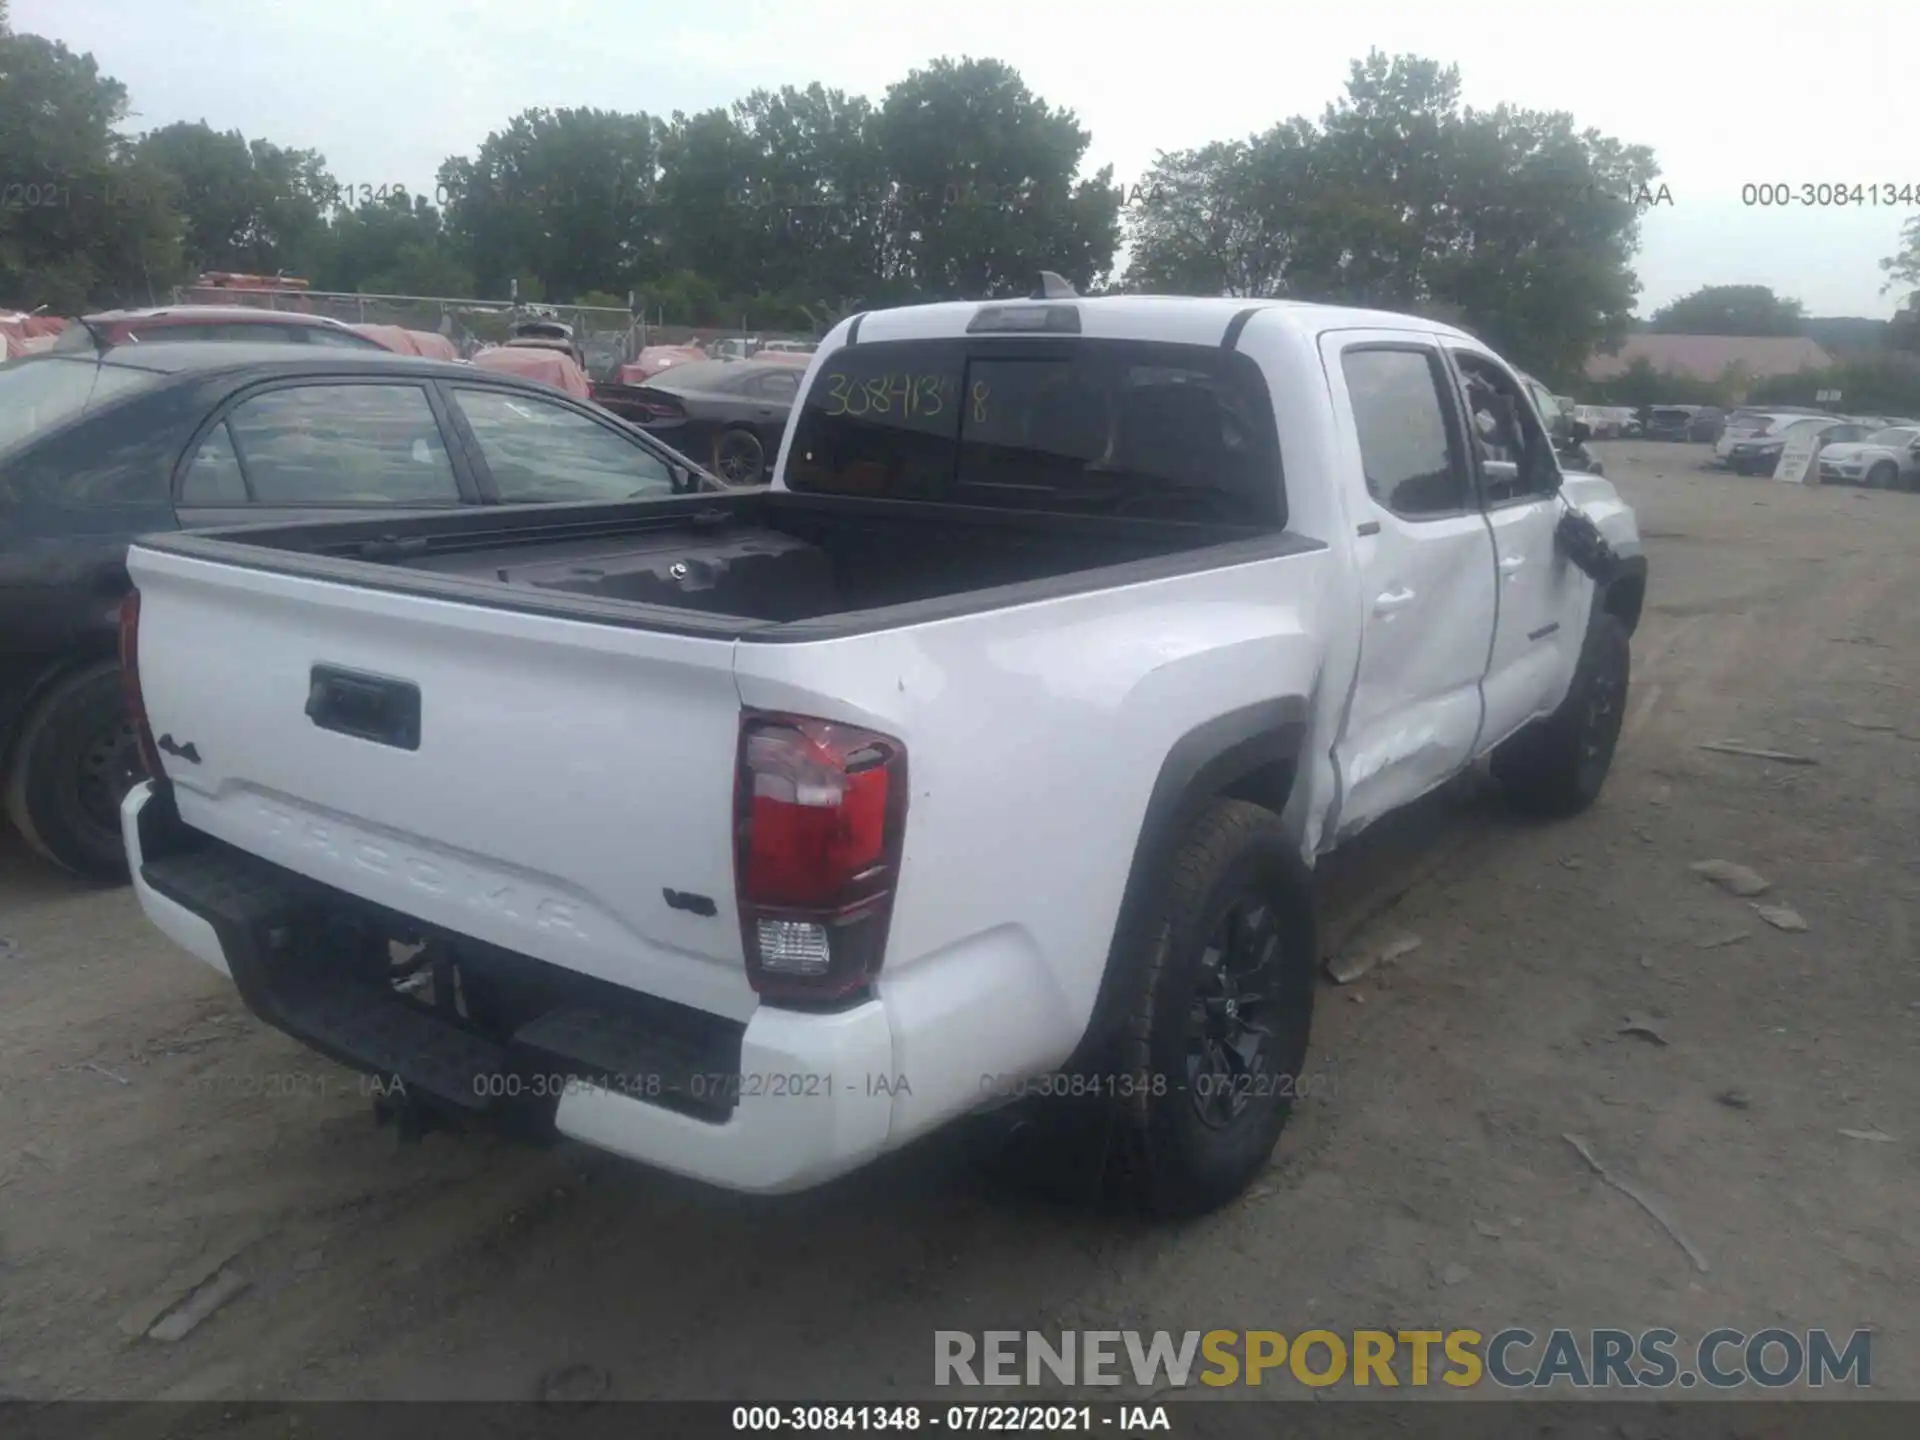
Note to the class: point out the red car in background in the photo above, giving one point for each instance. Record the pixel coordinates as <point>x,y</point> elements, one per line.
<point>110,328</point>
<point>655,358</point>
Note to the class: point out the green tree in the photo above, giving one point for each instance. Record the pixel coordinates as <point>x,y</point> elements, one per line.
<point>392,246</point>
<point>1884,384</point>
<point>1730,310</point>
<point>92,225</point>
<point>1216,220</point>
<point>986,193</point>
<point>1400,197</point>
<point>251,206</point>
<point>699,221</point>
<point>564,196</point>
<point>1903,273</point>
<point>811,199</point>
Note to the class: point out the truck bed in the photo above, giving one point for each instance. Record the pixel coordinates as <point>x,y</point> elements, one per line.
<point>771,564</point>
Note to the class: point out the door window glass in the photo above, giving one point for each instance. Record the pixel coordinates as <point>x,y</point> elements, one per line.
<point>537,450</point>
<point>1513,451</point>
<point>214,477</point>
<point>343,445</point>
<point>1412,466</point>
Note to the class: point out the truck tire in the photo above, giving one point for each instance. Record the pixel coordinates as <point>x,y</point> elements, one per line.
<point>76,758</point>
<point>1212,1051</point>
<point>1556,766</point>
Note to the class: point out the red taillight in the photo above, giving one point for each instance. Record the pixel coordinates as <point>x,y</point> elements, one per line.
<point>130,682</point>
<point>820,810</point>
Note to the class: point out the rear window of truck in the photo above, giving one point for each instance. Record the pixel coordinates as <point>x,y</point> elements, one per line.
<point>1076,426</point>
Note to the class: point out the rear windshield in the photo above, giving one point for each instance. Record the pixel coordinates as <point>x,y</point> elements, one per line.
<point>39,393</point>
<point>1673,415</point>
<point>1090,427</point>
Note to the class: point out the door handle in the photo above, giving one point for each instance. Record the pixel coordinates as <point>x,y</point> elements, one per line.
<point>1391,600</point>
<point>1510,563</point>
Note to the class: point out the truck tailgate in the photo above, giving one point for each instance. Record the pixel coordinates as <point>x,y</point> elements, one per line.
<point>559,780</point>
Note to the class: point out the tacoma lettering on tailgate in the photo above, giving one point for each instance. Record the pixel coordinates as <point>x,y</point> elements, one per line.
<point>435,875</point>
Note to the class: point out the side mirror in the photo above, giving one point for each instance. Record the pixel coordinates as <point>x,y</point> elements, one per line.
<point>1582,432</point>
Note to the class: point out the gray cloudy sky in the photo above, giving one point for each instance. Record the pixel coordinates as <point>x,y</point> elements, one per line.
<point>1726,96</point>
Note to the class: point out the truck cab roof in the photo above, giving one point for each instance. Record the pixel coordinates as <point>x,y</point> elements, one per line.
<point>1184,319</point>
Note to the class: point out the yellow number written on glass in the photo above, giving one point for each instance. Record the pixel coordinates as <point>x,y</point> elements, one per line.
<point>894,394</point>
<point>980,402</point>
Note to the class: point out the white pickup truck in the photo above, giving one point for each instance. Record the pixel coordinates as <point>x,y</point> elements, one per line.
<point>983,756</point>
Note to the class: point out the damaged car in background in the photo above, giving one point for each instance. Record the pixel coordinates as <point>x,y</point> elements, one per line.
<point>99,446</point>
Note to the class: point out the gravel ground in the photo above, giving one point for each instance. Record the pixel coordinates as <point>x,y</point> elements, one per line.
<point>152,1130</point>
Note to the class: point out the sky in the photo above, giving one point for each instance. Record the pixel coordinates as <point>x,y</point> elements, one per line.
<point>1765,94</point>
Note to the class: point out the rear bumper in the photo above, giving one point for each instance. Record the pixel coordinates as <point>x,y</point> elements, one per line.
<point>783,1103</point>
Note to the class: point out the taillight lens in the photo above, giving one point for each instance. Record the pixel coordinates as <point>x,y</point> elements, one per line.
<point>820,811</point>
<point>130,682</point>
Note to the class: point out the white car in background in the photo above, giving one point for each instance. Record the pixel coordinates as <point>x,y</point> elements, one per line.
<point>1886,460</point>
<point>1748,428</point>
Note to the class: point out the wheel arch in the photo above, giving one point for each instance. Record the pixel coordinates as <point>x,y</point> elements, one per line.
<point>1626,593</point>
<point>1252,753</point>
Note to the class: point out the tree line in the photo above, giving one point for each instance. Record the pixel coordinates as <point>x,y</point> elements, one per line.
<point>797,205</point>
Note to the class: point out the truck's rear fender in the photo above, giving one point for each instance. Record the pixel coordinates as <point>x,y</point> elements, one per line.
<point>1053,747</point>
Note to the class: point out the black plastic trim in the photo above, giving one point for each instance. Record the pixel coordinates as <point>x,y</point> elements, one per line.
<point>269,919</point>
<point>853,329</point>
<point>1238,323</point>
<point>1543,631</point>
<point>1203,763</point>
<point>1631,571</point>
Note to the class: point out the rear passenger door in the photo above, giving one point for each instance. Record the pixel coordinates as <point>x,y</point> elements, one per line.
<point>335,446</point>
<point>1426,565</point>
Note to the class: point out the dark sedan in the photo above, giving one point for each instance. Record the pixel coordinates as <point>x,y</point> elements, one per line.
<point>729,414</point>
<point>97,448</point>
<point>1672,422</point>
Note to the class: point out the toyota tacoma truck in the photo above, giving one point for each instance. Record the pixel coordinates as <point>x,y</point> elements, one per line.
<point>980,759</point>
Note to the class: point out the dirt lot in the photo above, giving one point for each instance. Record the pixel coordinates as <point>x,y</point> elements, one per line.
<point>1427,1181</point>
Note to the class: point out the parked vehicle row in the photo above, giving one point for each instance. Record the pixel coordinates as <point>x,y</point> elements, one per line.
<point>97,446</point>
<point>726,805</point>
<point>1683,422</point>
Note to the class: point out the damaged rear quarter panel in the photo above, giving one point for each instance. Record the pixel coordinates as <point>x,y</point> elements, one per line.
<point>1034,737</point>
